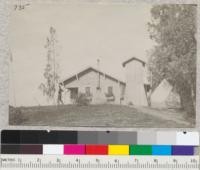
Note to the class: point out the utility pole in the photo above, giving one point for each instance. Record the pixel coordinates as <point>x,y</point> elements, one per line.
<point>52,30</point>
<point>12,78</point>
<point>99,76</point>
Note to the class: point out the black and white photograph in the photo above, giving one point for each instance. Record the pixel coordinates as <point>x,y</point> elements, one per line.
<point>103,65</point>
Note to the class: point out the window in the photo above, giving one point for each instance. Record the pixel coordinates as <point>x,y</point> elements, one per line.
<point>73,93</point>
<point>110,91</point>
<point>87,91</point>
<point>110,96</point>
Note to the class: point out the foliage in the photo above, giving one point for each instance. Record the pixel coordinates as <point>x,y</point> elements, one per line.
<point>51,70</point>
<point>109,95</point>
<point>82,100</point>
<point>130,103</point>
<point>173,28</point>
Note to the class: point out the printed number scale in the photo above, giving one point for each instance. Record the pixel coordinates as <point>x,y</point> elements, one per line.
<point>8,162</point>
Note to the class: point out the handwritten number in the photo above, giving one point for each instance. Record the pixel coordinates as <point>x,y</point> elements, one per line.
<point>20,7</point>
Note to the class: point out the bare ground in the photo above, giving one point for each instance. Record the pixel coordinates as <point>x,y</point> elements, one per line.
<point>98,116</point>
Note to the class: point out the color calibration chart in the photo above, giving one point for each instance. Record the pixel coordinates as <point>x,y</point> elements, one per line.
<point>103,149</point>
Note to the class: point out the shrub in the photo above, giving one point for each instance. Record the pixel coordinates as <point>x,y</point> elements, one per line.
<point>130,103</point>
<point>110,97</point>
<point>82,100</point>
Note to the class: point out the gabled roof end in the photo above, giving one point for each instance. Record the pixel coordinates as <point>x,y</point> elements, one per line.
<point>131,59</point>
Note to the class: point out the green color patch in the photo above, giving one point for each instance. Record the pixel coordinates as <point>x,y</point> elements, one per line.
<point>140,150</point>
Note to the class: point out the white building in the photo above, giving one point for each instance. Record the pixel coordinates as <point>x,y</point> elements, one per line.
<point>100,87</point>
<point>136,89</point>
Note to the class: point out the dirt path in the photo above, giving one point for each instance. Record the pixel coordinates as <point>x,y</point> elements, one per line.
<point>166,114</point>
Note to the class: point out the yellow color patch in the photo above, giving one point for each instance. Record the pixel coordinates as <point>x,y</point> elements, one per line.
<point>118,149</point>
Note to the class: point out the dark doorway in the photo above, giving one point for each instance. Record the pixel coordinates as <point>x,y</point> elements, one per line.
<point>73,92</point>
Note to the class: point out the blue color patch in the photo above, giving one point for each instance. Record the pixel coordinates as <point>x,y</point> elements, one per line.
<point>161,150</point>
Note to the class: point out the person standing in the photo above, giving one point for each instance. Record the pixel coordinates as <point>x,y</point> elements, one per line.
<point>60,91</point>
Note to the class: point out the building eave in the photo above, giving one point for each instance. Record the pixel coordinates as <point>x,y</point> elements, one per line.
<point>131,59</point>
<point>87,70</point>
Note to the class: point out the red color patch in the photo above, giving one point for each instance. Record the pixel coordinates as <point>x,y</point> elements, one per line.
<point>96,149</point>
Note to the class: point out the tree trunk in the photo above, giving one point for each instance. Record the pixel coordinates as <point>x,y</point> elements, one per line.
<point>186,97</point>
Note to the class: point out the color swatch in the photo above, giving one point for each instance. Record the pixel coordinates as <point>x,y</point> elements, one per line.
<point>140,150</point>
<point>101,149</point>
<point>96,149</point>
<point>161,150</point>
<point>118,149</point>
<point>99,142</point>
<point>74,149</point>
<point>182,150</point>
<point>99,137</point>
<point>53,149</point>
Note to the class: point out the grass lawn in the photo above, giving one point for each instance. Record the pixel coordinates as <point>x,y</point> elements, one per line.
<point>97,116</point>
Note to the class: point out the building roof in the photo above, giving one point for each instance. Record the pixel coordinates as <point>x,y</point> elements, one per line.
<point>88,70</point>
<point>131,59</point>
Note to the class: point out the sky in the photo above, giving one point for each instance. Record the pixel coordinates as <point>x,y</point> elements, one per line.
<point>112,33</point>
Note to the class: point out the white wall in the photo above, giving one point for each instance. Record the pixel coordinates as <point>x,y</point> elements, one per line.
<point>135,92</point>
<point>91,80</point>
